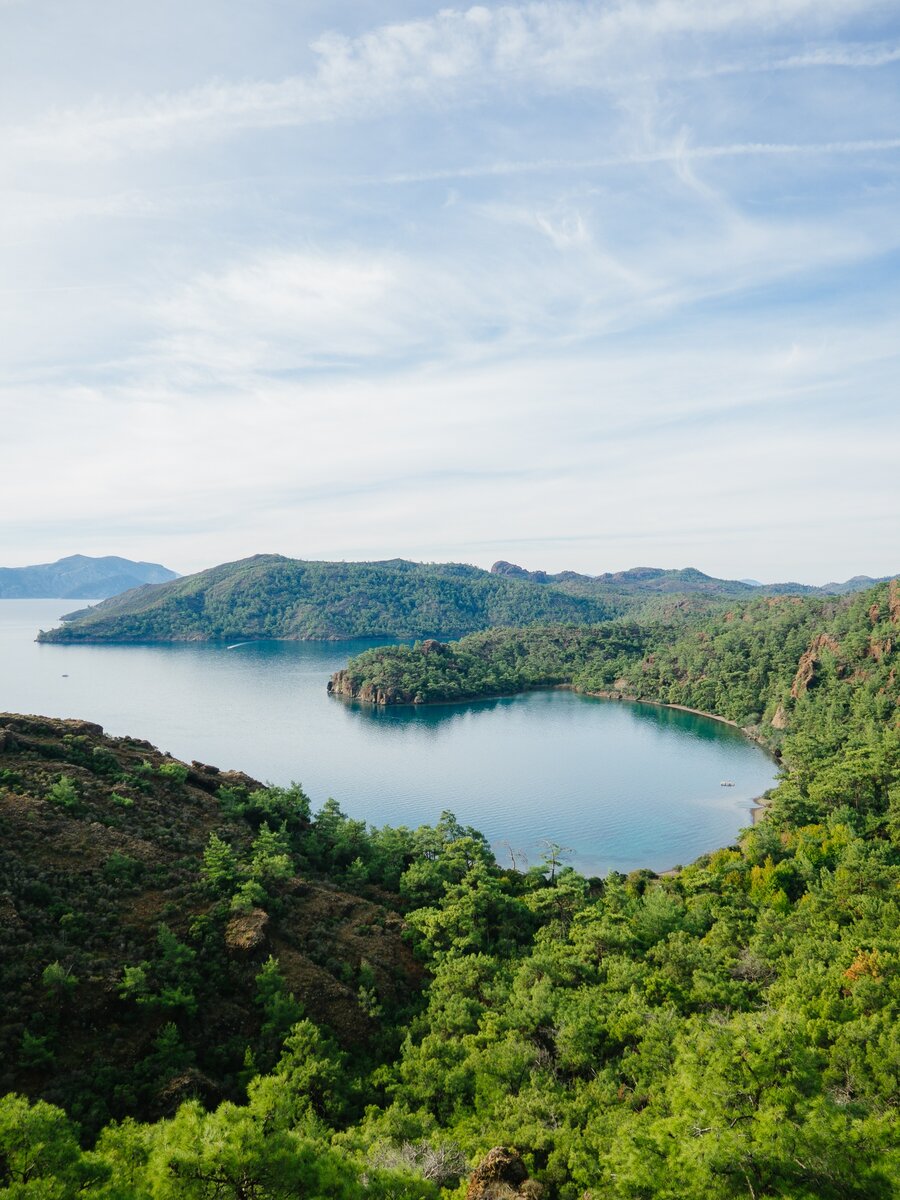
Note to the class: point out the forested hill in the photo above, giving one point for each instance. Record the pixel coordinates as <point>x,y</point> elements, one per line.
<point>292,1004</point>
<point>79,577</point>
<point>273,597</point>
<point>269,596</point>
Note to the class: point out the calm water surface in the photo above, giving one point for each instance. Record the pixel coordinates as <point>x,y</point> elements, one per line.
<point>622,785</point>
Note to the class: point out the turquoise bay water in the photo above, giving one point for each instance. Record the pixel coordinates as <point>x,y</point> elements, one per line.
<point>622,785</point>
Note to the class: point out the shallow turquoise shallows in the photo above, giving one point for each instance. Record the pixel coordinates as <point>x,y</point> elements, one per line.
<point>621,785</point>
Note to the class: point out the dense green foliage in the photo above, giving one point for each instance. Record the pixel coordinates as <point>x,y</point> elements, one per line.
<point>729,1031</point>
<point>273,597</point>
<point>492,663</point>
<point>738,663</point>
<point>269,596</point>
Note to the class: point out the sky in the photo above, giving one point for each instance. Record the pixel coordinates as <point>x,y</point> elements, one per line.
<point>578,285</point>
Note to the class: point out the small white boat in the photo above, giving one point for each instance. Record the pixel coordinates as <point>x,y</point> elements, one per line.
<point>726,783</point>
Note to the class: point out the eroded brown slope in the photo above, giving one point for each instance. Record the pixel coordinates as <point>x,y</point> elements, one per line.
<point>101,846</point>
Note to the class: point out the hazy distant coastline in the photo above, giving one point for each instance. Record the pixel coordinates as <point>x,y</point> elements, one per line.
<point>79,577</point>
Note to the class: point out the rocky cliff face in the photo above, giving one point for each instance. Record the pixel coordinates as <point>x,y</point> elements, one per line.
<point>780,718</point>
<point>894,600</point>
<point>342,683</point>
<point>809,661</point>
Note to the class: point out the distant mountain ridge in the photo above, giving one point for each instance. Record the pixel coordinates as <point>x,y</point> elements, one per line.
<point>859,583</point>
<point>636,580</point>
<point>686,580</point>
<point>79,577</point>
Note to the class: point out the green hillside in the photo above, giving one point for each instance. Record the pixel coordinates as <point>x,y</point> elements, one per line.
<point>141,899</point>
<point>273,597</point>
<point>292,1004</point>
<point>269,596</point>
<point>748,662</point>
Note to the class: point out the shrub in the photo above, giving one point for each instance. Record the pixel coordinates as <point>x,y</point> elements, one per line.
<point>175,771</point>
<point>64,793</point>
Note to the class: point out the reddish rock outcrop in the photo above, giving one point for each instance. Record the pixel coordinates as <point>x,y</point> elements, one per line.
<point>342,684</point>
<point>880,650</point>
<point>894,600</point>
<point>780,720</point>
<point>809,660</point>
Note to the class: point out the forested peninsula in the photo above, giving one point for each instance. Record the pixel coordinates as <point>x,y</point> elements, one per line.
<point>269,596</point>
<point>760,664</point>
<point>211,991</point>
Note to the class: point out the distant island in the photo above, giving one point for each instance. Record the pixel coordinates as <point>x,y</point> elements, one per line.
<point>79,577</point>
<point>269,596</point>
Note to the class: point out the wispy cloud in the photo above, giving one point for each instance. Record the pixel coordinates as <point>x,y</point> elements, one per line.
<point>403,464</point>
<point>458,55</point>
<point>567,284</point>
<point>673,153</point>
<point>879,55</point>
<point>563,275</point>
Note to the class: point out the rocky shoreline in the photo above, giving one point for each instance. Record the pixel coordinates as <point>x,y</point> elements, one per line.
<point>341,684</point>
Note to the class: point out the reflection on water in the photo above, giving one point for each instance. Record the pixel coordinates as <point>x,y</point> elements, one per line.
<point>679,719</point>
<point>625,785</point>
<point>425,716</point>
